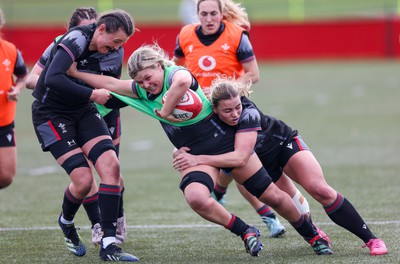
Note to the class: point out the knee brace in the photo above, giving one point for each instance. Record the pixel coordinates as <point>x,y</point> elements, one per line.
<point>98,149</point>
<point>258,183</point>
<point>197,176</point>
<point>75,161</point>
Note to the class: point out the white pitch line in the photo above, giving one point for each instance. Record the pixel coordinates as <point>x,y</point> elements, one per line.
<point>128,227</point>
<point>189,226</point>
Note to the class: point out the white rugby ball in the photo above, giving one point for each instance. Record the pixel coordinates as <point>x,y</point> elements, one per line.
<point>189,106</point>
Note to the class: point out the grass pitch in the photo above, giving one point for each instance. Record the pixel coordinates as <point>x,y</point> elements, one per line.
<point>346,111</point>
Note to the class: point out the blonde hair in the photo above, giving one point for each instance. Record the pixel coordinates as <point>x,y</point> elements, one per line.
<point>147,56</point>
<point>232,12</point>
<point>225,88</point>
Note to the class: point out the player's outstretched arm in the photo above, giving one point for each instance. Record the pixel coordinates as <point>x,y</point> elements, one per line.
<point>122,87</point>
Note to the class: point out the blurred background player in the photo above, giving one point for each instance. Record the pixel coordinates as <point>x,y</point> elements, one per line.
<point>220,45</point>
<point>188,12</point>
<point>11,64</point>
<point>84,16</point>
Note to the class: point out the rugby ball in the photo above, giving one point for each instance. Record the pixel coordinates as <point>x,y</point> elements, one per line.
<point>189,106</point>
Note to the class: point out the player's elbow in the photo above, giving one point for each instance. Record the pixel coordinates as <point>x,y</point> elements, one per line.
<point>184,81</point>
<point>255,79</point>
<point>241,160</point>
<point>31,82</point>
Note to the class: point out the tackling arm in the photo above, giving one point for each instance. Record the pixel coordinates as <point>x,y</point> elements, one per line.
<point>122,87</point>
<point>244,145</point>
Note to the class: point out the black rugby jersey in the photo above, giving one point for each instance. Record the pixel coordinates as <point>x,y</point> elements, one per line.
<point>76,42</point>
<point>270,126</point>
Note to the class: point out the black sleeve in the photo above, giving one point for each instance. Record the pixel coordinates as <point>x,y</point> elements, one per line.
<point>245,51</point>
<point>114,103</point>
<point>57,79</point>
<point>178,52</point>
<point>20,69</point>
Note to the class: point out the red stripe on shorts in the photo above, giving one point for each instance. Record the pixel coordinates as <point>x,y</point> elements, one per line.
<point>54,130</point>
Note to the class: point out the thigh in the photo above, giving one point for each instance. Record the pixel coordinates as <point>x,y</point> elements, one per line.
<point>286,184</point>
<point>113,122</point>
<point>224,178</point>
<point>304,169</point>
<point>277,153</point>
<point>8,160</point>
<point>54,127</point>
<point>295,145</point>
<point>91,126</point>
<point>244,173</point>
<point>270,153</point>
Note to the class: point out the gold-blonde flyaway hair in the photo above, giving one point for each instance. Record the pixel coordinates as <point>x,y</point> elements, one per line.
<point>147,56</point>
<point>225,88</point>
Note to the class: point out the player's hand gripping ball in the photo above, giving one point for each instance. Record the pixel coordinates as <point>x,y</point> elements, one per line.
<point>189,106</point>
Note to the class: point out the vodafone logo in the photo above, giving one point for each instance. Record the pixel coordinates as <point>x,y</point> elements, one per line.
<point>207,63</point>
